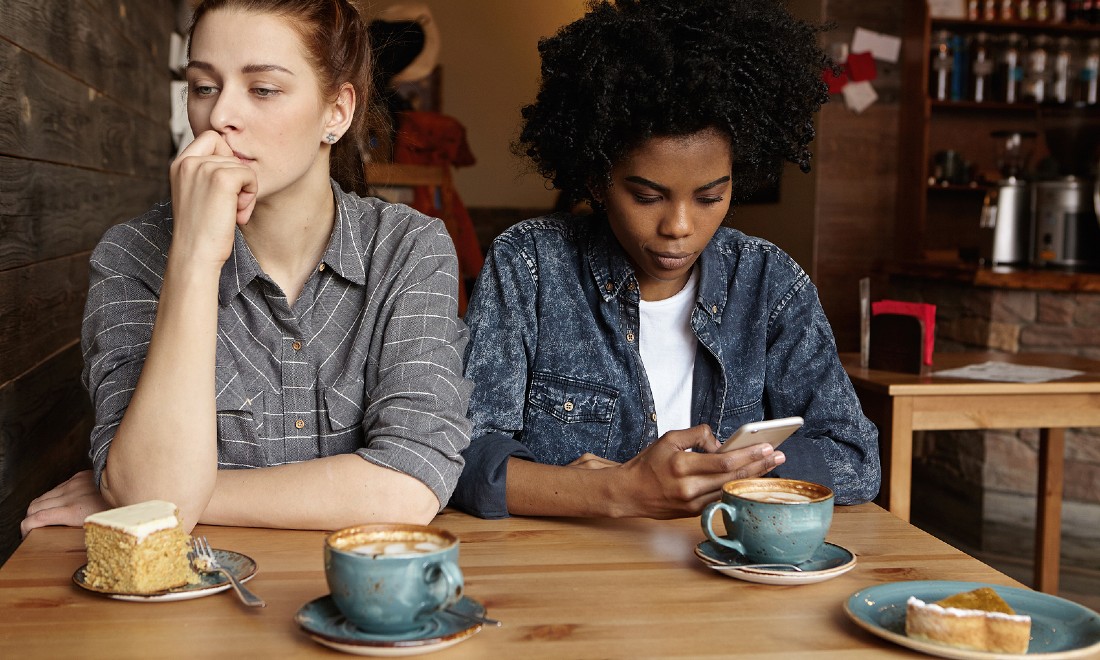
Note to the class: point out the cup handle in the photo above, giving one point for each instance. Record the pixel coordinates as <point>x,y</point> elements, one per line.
<point>449,576</point>
<point>708,521</point>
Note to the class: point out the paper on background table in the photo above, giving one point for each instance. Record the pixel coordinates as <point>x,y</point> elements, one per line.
<point>1006,372</point>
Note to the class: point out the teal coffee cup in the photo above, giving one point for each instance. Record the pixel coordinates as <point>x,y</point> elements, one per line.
<point>771,521</point>
<point>391,578</point>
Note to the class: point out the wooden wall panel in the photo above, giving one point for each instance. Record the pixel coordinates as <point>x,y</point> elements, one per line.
<point>84,144</point>
<point>41,306</point>
<point>46,443</point>
<point>45,114</point>
<point>52,210</point>
<point>69,36</point>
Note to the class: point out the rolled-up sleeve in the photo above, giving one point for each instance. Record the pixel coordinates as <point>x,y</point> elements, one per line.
<point>415,418</point>
<point>503,337</point>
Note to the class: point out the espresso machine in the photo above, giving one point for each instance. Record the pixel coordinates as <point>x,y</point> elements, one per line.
<point>1064,204</point>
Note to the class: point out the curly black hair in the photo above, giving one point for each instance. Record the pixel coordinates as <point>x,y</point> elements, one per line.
<point>629,70</point>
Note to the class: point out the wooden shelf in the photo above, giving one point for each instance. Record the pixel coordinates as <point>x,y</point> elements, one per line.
<point>998,27</point>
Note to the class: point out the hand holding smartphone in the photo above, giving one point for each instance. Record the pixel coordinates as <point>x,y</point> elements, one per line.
<point>771,431</point>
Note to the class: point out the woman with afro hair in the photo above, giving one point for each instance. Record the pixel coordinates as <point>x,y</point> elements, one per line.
<point>604,346</point>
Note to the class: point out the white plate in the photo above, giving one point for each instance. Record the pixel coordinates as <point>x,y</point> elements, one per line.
<point>828,562</point>
<point>241,566</point>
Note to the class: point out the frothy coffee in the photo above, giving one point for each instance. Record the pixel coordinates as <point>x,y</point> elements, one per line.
<point>775,497</point>
<point>396,548</point>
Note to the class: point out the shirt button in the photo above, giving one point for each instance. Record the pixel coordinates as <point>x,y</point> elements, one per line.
<point>653,416</point>
<point>321,267</point>
<point>297,345</point>
<point>630,337</point>
<point>631,286</point>
<point>609,286</point>
<point>714,309</point>
<point>568,405</point>
<point>299,424</point>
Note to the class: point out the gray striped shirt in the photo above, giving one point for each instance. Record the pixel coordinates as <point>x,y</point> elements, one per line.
<point>369,360</point>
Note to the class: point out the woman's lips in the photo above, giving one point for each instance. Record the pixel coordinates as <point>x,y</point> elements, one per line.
<point>241,157</point>
<point>672,260</point>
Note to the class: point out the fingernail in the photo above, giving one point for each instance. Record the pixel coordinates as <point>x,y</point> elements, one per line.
<point>766,449</point>
<point>780,459</point>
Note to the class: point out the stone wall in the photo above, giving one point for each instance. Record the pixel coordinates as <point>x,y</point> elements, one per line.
<point>985,481</point>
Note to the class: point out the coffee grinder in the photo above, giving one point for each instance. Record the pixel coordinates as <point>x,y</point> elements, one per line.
<point>1006,213</point>
<point>1066,232</point>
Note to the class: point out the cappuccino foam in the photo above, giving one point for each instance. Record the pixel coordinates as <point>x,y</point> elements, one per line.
<point>775,497</point>
<point>396,548</point>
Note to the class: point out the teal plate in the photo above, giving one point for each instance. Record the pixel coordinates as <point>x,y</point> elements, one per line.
<point>326,625</point>
<point>1059,628</point>
<point>241,566</point>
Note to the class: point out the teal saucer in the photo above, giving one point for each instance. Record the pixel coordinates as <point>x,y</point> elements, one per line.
<point>325,624</point>
<point>828,562</point>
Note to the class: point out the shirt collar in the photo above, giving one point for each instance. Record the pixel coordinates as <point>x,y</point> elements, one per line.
<point>343,254</point>
<point>611,268</point>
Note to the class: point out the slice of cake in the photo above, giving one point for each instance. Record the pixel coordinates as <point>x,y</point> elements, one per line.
<point>137,549</point>
<point>979,620</point>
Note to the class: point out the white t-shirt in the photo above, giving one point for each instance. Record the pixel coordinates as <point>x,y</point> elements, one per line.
<point>667,346</point>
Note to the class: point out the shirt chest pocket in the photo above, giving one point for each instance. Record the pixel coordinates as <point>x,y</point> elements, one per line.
<point>240,429</point>
<point>567,417</point>
<point>344,403</point>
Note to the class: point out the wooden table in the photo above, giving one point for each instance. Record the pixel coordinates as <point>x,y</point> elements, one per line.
<point>901,403</point>
<point>563,588</point>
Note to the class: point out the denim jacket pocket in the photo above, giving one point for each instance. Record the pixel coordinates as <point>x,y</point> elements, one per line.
<point>240,422</point>
<point>567,417</point>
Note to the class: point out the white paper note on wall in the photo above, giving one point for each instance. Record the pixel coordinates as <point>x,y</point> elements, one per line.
<point>881,46</point>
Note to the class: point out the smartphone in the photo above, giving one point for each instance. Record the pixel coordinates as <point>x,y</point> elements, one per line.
<point>771,431</point>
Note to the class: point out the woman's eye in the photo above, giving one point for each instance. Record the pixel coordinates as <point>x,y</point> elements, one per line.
<point>710,200</point>
<point>646,199</point>
<point>264,92</point>
<point>204,90</point>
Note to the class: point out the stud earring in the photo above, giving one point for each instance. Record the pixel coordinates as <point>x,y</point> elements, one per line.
<point>331,138</point>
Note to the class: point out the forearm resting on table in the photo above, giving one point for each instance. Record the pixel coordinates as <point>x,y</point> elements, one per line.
<point>537,489</point>
<point>166,445</point>
<point>323,493</point>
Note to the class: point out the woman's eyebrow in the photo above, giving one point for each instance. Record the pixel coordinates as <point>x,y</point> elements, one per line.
<point>642,181</point>
<point>248,68</point>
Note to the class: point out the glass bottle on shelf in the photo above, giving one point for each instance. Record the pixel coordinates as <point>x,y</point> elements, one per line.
<point>1008,10</point>
<point>1036,71</point>
<point>1088,79</point>
<point>1063,74</point>
<point>1025,11</point>
<point>941,62</point>
<point>1042,11</point>
<point>981,69</point>
<point>989,10</point>
<point>1010,70</point>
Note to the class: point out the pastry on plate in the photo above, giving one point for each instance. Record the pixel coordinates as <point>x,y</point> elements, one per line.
<point>978,620</point>
<point>137,549</point>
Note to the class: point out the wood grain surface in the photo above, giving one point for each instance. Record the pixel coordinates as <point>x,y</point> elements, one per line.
<point>563,588</point>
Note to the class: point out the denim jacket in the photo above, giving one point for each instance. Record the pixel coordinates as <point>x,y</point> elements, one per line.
<point>554,359</point>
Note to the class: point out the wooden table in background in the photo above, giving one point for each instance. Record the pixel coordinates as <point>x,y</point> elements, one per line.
<point>900,403</point>
<point>563,588</point>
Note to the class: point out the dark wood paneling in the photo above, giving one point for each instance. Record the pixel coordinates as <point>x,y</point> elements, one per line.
<point>41,307</point>
<point>66,34</point>
<point>47,211</point>
<point>47,115</point>
<point>145,24</point>
<point>45,421</point>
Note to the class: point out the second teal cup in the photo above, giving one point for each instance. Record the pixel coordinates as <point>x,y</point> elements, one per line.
<point>391,578</point>
<point>771,520</point>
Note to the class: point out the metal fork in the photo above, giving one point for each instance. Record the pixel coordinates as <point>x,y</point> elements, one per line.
<point>203,559</point>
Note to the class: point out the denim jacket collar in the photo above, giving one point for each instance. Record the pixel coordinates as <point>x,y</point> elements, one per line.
<point>612,270</point>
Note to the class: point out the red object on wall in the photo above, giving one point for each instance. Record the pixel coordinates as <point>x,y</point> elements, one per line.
<point>432,138</point>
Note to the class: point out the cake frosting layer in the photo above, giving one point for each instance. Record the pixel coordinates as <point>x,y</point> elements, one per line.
<point>138,520</point>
